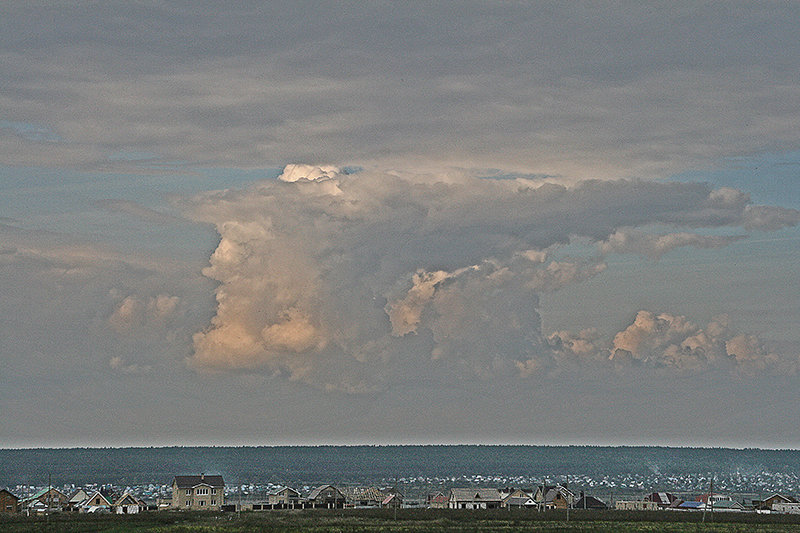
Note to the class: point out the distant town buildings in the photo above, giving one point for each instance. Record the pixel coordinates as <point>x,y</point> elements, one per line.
<point>208,492</point>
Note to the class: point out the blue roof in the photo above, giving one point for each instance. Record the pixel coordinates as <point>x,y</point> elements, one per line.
<point>691,505</point>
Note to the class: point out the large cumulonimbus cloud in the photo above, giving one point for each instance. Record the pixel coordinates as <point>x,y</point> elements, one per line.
<point>359,281</point>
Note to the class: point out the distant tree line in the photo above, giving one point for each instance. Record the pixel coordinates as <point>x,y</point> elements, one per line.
<point>365,464</point>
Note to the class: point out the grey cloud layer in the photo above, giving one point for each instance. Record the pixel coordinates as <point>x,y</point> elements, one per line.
<point>358,281</point>
<point>573,90</point>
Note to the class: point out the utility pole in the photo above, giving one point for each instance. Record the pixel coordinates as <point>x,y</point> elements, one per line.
<point>49,495</point>
<point>710,501</point>
<point>711,498</point>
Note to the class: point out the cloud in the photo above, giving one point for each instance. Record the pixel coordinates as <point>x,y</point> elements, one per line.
<point>657,245</point>
<point>359,281</point>
<point>134,313</point>
<point>136,210</point>
<point>665,340</point>
<point>118,364</point>
<point>569,90</point>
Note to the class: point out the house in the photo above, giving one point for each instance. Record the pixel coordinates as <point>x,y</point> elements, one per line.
<point>713,498</point>
<point>76,498</point>
<point>46,500</point>
<point>728,505</point>
<point>9,503</point>
<point>362,496</point>
<point>474,499</point>
<point>516,498</point>
<point>767,503</point>
<point>198,492</point>
<point>559,498</point>
<point>129,504</point>
<point>326,496</point>
<point>393,500</point>
<point>554,497</point>
<point>285,497</point>
<point>590,502</point>
<point>786,508</point>
<point>636,505</point>
<point>437,500</point>
<point>95,503</point>
<point>663,499</point>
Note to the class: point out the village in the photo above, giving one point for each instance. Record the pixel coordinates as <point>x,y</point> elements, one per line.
<point>203,492</point>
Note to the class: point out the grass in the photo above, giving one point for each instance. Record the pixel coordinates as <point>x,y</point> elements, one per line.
<point>408,521</point>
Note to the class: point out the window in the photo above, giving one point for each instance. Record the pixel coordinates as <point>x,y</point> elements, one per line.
<point>201,503</point>
<point>202,492</point>
<point>188,491</point>
<point>213,502</point>
<point>213,491</point>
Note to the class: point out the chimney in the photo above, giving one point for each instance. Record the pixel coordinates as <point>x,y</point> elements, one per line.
<point>202,476</point>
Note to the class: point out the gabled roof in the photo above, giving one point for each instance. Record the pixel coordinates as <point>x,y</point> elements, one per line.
<point>10,493</point>
<point>91,500</point>
<point>392,497</point>
<point>475,495</point>
<point>519,501</point>
<point>285,489</point>
<point>188,482</point>
<point>727,504</point>
<point>555,491</point>
<point>77,496</point>
<point>362,494</point>
<point>785,499</point>
<point>590,502</point>
<point>315,493</point>
<point>42,492</point>
<point>661,498</point>
<point>127,499</point>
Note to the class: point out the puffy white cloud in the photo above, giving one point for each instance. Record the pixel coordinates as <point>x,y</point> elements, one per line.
<point>357,281</point>
<point>665,340</point>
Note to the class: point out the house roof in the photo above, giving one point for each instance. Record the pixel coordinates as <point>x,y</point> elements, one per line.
<point>727,504</point>
<point>316,492</point>
<point>92,498</point>
<point>10,493</point>
<point>77,496</point>
<point>785,499</point>
<point>362,494</point>
<point>42,492</point>
<point>284,489</point>
<point>392,497</point>
<point>691,505</point>
<point>519,501</point>
<point>475,495</point>
<point>551,494</point>
<point>590,502</point>
<point>187,482</point>
<point>661,498</point>
<point>127,499</point>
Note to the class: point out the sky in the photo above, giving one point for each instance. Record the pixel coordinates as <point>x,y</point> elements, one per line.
<point>389,222</point>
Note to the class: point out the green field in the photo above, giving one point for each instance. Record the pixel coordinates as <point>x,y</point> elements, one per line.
<point>407,520</point>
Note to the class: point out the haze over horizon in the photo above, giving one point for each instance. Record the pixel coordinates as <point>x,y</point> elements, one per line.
<point>371,223</point>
